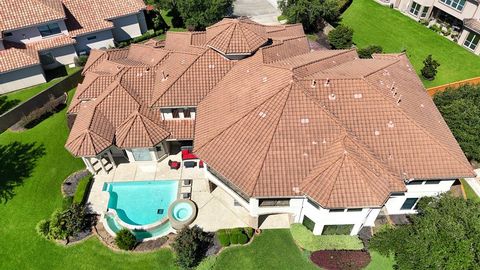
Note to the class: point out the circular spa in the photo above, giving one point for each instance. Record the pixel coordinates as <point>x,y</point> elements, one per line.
<point>181,213</point>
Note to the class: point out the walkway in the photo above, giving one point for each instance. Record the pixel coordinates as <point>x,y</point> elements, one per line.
<point>475,182</point>
<point>260,11</point>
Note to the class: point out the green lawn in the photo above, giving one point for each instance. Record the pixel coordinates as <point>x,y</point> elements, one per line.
<point>14,98</point>
<point>469,191</point>
<point>39,195</point>
<point>273,249</point>
<point>380,262</point>
<point>168,19</point>
<point>308,241</point>
<point>376,24</point>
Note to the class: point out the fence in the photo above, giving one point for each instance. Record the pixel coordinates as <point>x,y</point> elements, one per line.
<point>15,114</point>
<point>433,90</point>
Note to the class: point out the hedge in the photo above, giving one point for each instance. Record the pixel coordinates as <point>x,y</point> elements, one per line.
<point>83,189</point>
<point>306,240</point>
<point>234,236</point>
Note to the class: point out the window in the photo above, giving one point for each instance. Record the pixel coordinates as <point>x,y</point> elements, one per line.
<point>336,210</point>
<point>415,183</point>
<point>273,202</point>
<point>186,113</point>
<point>415,8</point>
<point>7,34</point>
<point>141,154</point>
<point>354,210</point>
<point>47,58</point>
<point>456,4</point>
<point>307,222</point>
<point>49,29</point>
<point>337,229</point>
<point>91,37</point>
<point>409,204</point>
<point>175,113</point>
<point>432,182</point>
<point>424,12</point>
<point>472,41</point>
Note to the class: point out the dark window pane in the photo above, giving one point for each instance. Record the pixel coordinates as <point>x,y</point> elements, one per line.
<point>307,222</point>
<point>354,210</point>
<point>409,203</point>
<point>175,113</point>
<point>186,113</point>
<point>432,182</point>
<point>415,183</point>
<point>337,229</point>
<point>337,210</point>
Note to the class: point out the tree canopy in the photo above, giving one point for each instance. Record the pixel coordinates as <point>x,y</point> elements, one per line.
<point>197,14</point>
<point>460,107</point>
<point>341,37</point>
<point>444,235</point>
<point>311,13</point>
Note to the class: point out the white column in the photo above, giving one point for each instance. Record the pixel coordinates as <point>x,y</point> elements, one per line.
<point>88,164</point>
<point>110,157</point>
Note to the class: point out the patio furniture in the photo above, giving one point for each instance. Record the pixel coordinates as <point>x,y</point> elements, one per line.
<point>187,153</point>
<point>187,182</point>
<point>200,164</point>
<point>174,165</point>
<point>186,192</point>
<point>189,164</point>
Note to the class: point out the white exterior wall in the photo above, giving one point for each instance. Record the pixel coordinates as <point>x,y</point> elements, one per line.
<point>395,202</point>
<point>63,56</point>
<point>21,78</point>
<point>468,10</point>
<point>126,27</point>
<point>31,33</point>
<point>103,39</point>
<point>464,36</point>
<point>167,113</point>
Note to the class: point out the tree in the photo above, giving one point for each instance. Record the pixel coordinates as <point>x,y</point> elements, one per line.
<point>190,245</point>
<point>429,70</point>
<point>341,37</point>
<point>125,239</point>
<point>444,235</point>
<point>197,14</point>
<point>312,14</point>
<point>369,50</point>
<point>460,107</point>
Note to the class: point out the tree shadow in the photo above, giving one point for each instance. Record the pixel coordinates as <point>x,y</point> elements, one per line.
<point>6,105</point>
<point>17,161</point>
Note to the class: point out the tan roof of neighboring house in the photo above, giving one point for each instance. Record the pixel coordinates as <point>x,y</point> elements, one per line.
<point>17,14</point>
<point>473,24</point>
<point>283,122</point>
<point>50,43</point>
<point>13,58</point>
<point>85,16</point>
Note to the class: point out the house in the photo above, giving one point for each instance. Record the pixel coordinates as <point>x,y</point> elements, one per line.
<point>462,15</point>
<point>38,35</point>
<point>322,137</point>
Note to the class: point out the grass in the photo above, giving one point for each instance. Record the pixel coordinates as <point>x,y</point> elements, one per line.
<point>380,262</point>
<point>310,242</point>
<point>272,249</point>
<point>83,189</point>
<point>376,24</point>
<point>167,17</point>
<point>20,96</point>
<point>38,196</point>
<point>469,191</point>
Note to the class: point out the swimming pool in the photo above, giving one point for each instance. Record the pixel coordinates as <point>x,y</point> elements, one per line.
<point>142,202</point>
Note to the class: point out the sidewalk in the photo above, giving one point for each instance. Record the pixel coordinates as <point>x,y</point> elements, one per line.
<point>475,182</point>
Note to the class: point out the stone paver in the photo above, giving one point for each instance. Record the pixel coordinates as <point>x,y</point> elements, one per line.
<point>261,11</point>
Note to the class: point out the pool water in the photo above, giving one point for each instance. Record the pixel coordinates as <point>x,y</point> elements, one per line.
<point>182,211</point>
<point>142,203</point>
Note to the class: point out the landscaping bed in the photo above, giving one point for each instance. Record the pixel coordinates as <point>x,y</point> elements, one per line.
<point>341,259</point>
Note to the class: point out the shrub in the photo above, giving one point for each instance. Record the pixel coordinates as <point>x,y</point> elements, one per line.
<point>429,70</point>
<point>191,245</point>
<point>341,37</point>
<point>242,238</point>
<point>80,60</point>
<point>39,114</point>
<point>43,228</point>
<point>341,259</point>
<point>234,238</point>
<point>82,191</point>
<point>249,231</point>
<point>67,202</point>
<point>424,22</point>
<point>368,51</point>
<point>312,14</point>
<point>223,238</point>
<point>306,240</point>
<point>125,239</point>
<point>435,28</point>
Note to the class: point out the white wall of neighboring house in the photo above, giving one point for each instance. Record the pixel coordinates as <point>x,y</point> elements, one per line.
<point>97,40</point>
<point>395,202</point>
<point>468,10</point>
<point>126,27</point>
<point>21,78</point>
<point>63,56</point>
<point>31,33</point>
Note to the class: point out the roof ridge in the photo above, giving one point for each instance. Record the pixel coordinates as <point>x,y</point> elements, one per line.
<point>383,67</point>
<point>335,180</point>
<point>421,127</point>
<point>316,61</point>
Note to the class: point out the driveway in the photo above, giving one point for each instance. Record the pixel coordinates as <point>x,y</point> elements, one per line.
<point>261,11</point>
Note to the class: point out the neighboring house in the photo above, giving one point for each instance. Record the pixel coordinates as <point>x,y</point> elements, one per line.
<point>462,15</point>
<point>321,136</point>
<point>38,35</point>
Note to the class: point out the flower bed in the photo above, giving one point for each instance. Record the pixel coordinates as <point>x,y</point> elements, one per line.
<point>341,259</point>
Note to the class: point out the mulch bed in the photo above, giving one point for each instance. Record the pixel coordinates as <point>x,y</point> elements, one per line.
<point>341,259</point>
<point>70,184</point>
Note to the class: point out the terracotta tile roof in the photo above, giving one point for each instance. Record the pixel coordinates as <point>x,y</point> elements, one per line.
<point>473,24</point>
<point>19,14</point>
<point>50,43</point>
<point>86,16</point>
<point>283,122</point>
<point>13,58</point>
<point>141,129</point>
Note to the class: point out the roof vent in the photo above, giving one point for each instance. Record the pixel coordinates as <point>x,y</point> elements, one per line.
<point>262,114</point>
<point>332,96</point>
<point>164,76</point>
<point>327,83</point>
<point>390,124</point>
<point>211,66</point>
<point>182,62</point>
<point>324,141</point>
<point>314,142</point>
<point>147,69</point>
<point>314,83</point>
<point>377,132</point>
<point>304,120</point>
<point>305,154</point>
<point>357,96</point>
<point>399,100</point>
<point>264,79</point>
<point>248,71</point>
<point>296,189</point>
<point>386,73</point>
<point>421,105</point>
